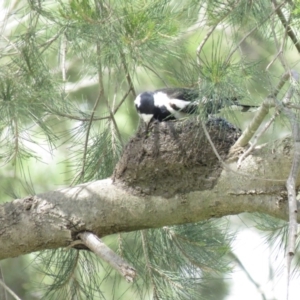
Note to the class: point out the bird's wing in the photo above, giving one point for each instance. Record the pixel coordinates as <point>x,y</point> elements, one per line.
<point>184,94</point>
<point>188,100</point>
<point>180,99</point>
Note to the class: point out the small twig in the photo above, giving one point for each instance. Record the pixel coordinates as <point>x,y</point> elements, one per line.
<point>281,83</point>
<point>212,144</point>
<point>288,28</point>
<point>53,39</point>
<point>16,140</point>
<point>100,96</point>
<point>73,244</point>
<point>260,115</point>
<point>120,245</point>
<point>248,133</point>
<point>209,33</point>
<point>157,74</point>
<point>251,279</point>
<point>51,110</point>
<point>278,54</point>
<point>72,117</point>
<point>127,74</point>
<point>201,45</point>
<point>250,32</point>
<point>279,48</point>
<point>63,57</point>
<point>256,138</point>
<point>226,166</point>
<point>12,44</point>
<point>112,118</point>
<point>290,183</point>
<point>81,174</point>
<point>11,292</point>
<point>147,261</point>
<point>9,12</point>
<point>100,249</point>
<point>292,105</point>
<point>3,294</point>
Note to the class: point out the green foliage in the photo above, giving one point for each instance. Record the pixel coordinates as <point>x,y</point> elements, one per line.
<point>69,71</point>
<point>275,234</point>
<point>178,262</point>
<point>68,274</point>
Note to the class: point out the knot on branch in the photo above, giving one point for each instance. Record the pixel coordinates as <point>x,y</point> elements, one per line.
<point>175,157</point>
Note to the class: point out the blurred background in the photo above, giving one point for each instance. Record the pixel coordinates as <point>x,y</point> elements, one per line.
<point>70,71</point>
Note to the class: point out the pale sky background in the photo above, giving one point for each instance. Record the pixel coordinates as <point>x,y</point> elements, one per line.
<point>256,257</point>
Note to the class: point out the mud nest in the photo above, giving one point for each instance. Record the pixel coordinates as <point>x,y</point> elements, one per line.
<point>175,157</point>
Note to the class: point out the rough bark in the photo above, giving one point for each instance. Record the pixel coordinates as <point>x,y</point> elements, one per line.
<point>104,207</point>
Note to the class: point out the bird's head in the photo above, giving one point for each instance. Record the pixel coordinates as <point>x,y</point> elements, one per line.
<point>144,104</point>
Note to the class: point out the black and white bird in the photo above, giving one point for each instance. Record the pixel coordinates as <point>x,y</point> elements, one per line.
<point>176,103</point>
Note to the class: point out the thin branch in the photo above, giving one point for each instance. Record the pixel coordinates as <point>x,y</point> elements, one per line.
<point>209,33</point>
<point>279,48</point>
<point>184,253</point>
<point>292,105</point>
<point>291,181</point>
<point>201,45</point>
<point>12,44</point>
<point>81,174</point>
<point>72,117</point>
<point>251,279</point>
<point>16,140</point>
<point>288,28</point>
<point>111,113</point>
<point>120,245</point>
<point>100,96</point>
<point>63,57</point>
<point>100,8</point>
<point>273,60</point>
<point>211,143</point>
<point>226,166</point>
<point>281,83</point>
<point>250,32</point>
<point>11,292</point>
<point>112,118</point>
<point>108,8</point>
<point>51,40</point>
<point>122,100</point>
<point>260,115</point>
<point>248,133</point>
<point>3,294</point>
<point>115,261</point>
<point>73,244</point>
<point>256,138</point>
<point>148,264</point>
<point>13,4</point>
<point>127,74</point>
<point>157,74</point>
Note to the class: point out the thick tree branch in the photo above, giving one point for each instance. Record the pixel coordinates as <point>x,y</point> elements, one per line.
<point>54,219</point>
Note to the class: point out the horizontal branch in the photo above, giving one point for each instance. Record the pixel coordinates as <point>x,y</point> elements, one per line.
<point>54,219</point>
